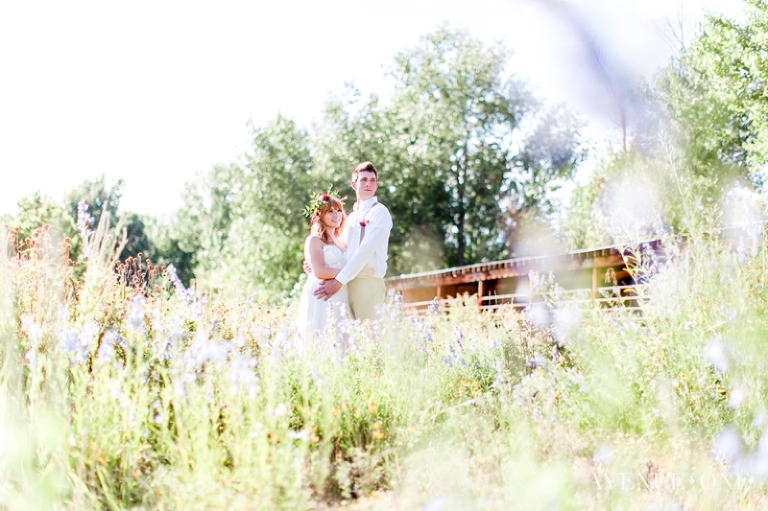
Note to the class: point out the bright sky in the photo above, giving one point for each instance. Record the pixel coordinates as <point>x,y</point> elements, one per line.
<point>154,92</point>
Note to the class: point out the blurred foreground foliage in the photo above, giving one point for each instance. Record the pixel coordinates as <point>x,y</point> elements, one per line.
<point>128,390</point>
<point>698,132</point>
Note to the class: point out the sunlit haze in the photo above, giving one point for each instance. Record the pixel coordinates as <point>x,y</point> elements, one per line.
<point>154,92</point>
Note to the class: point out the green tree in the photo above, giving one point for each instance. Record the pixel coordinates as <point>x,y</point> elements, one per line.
<point>708,131</point>
<point>266,239</point>
<point>463,110</point>
<point>99,198</point>
<point>451,171</point>
<point>547,158</point>
<point>137,237</point>
<point>716,90</point>
<point>35,211</point>
<point>355,129</point>
<point>198,232</point>
<point>245,224</point>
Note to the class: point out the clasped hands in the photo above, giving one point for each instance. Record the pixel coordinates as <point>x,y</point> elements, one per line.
<point>327,288</point>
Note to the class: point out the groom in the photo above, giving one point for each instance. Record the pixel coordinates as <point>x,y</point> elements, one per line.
<point>367,234</point>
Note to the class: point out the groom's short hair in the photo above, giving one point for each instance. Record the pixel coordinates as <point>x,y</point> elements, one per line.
<point>366,166</point>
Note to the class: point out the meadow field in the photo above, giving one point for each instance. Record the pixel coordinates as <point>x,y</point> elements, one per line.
<point>122,389</point>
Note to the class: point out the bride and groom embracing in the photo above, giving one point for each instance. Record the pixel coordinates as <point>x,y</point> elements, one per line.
<point>345,256</point>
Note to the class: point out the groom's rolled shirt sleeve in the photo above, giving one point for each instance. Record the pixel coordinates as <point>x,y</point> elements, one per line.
<point>376,234</point>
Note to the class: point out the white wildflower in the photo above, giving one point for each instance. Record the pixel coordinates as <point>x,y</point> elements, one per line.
<point>302,435</point>
<point>728,445</point>
<point>135,316</point>
<point>736,397</point>
<point>716,355</point>
<point>107,348</point>
<point>538,314</point>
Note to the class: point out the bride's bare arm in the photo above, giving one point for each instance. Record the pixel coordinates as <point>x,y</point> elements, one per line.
<point>317,260</point>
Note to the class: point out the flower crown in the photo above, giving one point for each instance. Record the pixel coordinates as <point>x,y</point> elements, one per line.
<point>321,200</point>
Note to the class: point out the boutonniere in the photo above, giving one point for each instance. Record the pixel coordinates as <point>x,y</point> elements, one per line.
<point>363,223</point>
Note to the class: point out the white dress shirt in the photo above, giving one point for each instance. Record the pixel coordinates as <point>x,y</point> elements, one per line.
<point>370,256</point>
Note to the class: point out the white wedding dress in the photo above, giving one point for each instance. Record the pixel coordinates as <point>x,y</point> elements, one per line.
<point>314,312</point>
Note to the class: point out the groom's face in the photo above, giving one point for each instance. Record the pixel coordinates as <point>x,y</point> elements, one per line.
<point>365,185</point>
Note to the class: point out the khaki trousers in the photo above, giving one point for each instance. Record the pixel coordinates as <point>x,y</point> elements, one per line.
<point>366,294</point>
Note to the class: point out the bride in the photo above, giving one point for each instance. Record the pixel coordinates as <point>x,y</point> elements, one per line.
<point>324,250</point>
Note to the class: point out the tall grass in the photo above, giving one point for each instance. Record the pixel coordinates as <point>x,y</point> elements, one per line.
<point>128,391</point>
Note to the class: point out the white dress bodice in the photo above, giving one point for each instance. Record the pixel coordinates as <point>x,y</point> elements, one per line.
<point>333,256</point>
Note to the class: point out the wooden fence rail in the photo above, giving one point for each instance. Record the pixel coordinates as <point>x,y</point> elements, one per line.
<point>629,297</point>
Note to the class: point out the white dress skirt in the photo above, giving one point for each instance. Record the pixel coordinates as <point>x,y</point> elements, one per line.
<point>314,313</point>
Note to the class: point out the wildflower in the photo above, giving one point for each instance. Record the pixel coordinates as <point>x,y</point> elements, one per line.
<point>727,445</point>
<point>135,316</point>
<point>395,298</point>
<point>498,382</point>
<point>34,334</point>
<point>107,348</point>
<point>459,335</point>
<point>760,420</point>
<point>302,435</point>
<point>259,332</point>
<point>454,357</point>
<point>741,254</point>
<point>603,456</point>
<point>202,350</point>
<point>558,292</point>
<point>736,398</point>
<point>317,377</point>
<point>567,319</point>
<point>535,362</point>
<point>743,221</point>
<point>117,393</point>
<point>280,410</point>
<point>437,503</point>
<point>68,341</point>
<point>242,373</point>
<point>77,345</point>
<point>173,277</point>
<point>434,306</point>
<point>538,314</point>
<point>84,219</point>
<point>716,355</point>
<point>371,408</point>
<point>281,342</point>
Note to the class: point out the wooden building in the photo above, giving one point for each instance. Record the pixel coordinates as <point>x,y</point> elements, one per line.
<point>599,275</point>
